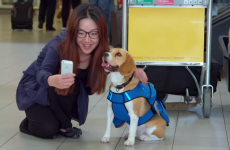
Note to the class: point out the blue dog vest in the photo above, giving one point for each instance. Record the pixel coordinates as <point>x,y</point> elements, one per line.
<point>121,113</point>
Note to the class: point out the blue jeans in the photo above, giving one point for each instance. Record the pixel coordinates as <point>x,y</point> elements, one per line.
<point>27,1</point>
<point>107,6</point>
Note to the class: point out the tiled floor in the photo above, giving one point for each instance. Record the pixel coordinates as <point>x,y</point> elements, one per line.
<point>188,130</point>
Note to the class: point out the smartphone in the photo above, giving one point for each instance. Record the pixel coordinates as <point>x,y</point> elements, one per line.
<point>66,67</point>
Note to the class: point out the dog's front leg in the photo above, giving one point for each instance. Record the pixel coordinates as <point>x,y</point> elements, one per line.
<point>133,125</point>
<point>110,117</point>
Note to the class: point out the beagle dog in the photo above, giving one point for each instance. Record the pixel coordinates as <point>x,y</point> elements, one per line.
<point>131,102</point>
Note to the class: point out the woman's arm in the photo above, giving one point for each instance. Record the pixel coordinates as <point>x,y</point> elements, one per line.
<point>45,74</point>
<point>48,66</point>
<point>141,75</point>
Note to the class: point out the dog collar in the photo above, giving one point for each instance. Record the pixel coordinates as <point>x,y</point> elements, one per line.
<point>118,87</point>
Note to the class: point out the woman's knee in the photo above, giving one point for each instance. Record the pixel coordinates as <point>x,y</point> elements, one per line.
<point>46,130</point>
<point>41,121</point>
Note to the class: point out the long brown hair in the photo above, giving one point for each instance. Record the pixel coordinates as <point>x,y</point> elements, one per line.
<point>68,48</point>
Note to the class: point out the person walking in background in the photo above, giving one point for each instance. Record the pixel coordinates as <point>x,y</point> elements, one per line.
<point>47,9</point>
<point>60,9</point>
<point>31,1</point>
<point>107,6</point>
<point>66,4</point>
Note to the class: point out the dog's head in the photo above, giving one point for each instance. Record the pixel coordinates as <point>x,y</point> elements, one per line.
<point>119,60</point>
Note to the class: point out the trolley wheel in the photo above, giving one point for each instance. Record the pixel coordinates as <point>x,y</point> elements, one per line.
<point>187,99</point>
<point>207,102</point>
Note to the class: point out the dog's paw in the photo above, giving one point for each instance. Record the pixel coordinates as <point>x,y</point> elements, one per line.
<point>105,140</point>
<point>126,136</point>
<point>144,137</point>
<point>148,138</point>
<point>129,142</point>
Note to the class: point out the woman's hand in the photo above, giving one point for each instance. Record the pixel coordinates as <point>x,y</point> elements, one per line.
<point>141,75</point>
<point>61,81</point>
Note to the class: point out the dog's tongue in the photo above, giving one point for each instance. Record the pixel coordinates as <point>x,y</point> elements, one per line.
<point>104,64</point>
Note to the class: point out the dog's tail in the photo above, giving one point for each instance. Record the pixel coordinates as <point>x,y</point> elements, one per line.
<point>161,110</point>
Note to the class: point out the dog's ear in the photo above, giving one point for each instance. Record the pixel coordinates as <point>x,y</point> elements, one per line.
<point>129,66</point>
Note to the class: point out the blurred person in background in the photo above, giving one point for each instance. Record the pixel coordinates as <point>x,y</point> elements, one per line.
<point>47,10</point>
<point>31,1</point>
<point>66,5</point>
<point>107,6</point>
<point>60,9</point>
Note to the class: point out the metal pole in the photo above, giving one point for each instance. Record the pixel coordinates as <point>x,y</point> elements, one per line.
<point>124,26</point>
<point>208,42</point>
<point>202,76</point>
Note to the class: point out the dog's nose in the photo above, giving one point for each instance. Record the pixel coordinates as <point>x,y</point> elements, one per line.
<point>106,54</point>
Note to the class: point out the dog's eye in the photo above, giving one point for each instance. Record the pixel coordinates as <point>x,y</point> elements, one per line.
<point>118,54</point>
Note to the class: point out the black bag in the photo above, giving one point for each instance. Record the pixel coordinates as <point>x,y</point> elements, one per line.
<point>22,15</point>
<point>175,80</point>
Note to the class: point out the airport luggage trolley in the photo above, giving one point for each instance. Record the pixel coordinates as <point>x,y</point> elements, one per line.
<point>171,33</point>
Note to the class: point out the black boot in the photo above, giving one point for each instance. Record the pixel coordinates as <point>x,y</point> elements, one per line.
<point>71,133</point>
<point>40,25</point>
<point>50,29</point>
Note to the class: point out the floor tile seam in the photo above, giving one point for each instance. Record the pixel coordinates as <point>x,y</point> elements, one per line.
<point>18,62</point>
<point>13,53</point>
<point>224,119</point>
<point>200,137</point>
<point>120,138</point>
<point>201,146</point>
<point>9,140</point>
<point>10,81</point>
<point>13,63</point>
<point>97,102</point>
<point>10,65</point>
<point>175,130</point>
<point>7,105</point>
<point>200,129</point>
<point>16,54</point>
<point>61,143</point>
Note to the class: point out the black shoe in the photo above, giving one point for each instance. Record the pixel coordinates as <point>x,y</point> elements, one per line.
<point>50,29</point>
<point>71,133</point>
<point>40,25</point>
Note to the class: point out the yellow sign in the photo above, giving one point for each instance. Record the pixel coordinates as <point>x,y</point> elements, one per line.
<point>166,34</point>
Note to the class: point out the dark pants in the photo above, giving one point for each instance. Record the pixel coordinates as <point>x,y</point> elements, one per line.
<point>45,121</point>
<point>27,1</point>
<point>107,6</point>
<point>47,9</point>
<point>66,4</point>
<point>62,107</point>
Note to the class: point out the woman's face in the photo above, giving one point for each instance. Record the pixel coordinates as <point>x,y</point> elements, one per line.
<point>87,36</point>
